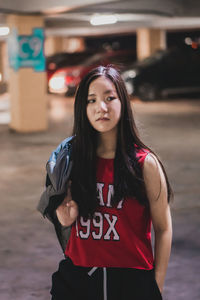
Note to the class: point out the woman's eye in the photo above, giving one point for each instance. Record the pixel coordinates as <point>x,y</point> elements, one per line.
<point>110,98</point>
<point>90,100</point>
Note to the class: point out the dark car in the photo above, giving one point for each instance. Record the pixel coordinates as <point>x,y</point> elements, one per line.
<point>172,71</point>
<point>65,80</point>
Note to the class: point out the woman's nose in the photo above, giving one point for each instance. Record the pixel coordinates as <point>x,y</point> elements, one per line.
<point>102,106</point>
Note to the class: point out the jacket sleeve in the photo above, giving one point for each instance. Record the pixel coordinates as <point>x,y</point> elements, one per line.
<point>47,207</point>
<point>58,170</point>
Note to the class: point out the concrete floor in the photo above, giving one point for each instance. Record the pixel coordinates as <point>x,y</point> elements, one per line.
<point>29,251</point>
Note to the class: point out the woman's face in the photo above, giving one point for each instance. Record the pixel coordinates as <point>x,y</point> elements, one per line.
<point>103,105</point>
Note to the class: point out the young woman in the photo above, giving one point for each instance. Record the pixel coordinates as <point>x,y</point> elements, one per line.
<point>116,187</point>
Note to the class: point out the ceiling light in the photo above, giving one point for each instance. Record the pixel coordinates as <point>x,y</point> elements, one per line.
<point>4,30</point>
<point>103,19</point>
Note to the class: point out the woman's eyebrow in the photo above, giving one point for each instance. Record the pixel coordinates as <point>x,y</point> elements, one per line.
<point>91,95</point>
<point>105,93</point>
<point>109,91</point>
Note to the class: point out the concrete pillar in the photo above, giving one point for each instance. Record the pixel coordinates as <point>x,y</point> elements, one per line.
<point>1,61</point>
<point>5,66</point>
<point>148,41</point>
<point>74,44</point>
<point>3,78</point>
<point>27,84</point>
<point>55,44</point>
<point>1,67</point>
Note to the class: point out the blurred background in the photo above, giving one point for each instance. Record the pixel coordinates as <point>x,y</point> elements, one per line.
<point>45,50</point>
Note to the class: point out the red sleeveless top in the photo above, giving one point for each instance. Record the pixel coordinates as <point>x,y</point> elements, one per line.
<point>117,236</point>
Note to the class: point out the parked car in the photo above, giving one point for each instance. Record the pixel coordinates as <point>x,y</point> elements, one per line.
<point>64,59</point>
<point>65,80</point>
<point>172,71</point>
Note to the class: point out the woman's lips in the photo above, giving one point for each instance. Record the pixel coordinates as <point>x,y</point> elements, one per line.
<point>102,119</point>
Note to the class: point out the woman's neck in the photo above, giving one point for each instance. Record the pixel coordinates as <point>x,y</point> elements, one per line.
<point>107,145</point>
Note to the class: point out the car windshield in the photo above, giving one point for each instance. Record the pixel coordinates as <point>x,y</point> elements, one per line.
<point>69,59</point>
<point>92,59</point>
<point>114,57</point>
<point>159,55</point>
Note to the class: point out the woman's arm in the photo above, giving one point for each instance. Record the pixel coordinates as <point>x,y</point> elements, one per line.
<point>161,217</point>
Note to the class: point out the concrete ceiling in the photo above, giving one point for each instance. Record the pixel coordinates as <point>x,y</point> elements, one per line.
<point>44,6</point>
<point>67,17</point>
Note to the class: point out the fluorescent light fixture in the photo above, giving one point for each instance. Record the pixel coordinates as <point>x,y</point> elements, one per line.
<point>4,31</point>
<point>103,19</point>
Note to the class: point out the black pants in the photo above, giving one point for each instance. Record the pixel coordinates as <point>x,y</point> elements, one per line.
<point>72,282</point>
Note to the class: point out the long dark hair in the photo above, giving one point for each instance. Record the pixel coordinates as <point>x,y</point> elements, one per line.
<point>128,176</point>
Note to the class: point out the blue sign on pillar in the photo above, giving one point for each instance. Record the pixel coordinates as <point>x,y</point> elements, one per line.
<point>26,51</point>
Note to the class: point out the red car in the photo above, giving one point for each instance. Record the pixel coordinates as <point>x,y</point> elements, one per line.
<point>65,80</point>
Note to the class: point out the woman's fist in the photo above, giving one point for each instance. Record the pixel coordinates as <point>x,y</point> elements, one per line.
<point>67,211</point>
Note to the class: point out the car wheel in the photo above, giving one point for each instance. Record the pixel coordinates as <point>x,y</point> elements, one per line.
<point>129,87</point>
<point>70,92</point>
<point>148,91</point>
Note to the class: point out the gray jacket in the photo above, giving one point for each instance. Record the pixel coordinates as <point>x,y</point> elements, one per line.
<point>58,170</point>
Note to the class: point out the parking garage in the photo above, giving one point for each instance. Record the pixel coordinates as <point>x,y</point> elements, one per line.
<point>34,119</point>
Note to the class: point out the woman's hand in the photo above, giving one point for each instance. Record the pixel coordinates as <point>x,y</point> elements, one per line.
<point>67,211</point>
<point>156,188</point>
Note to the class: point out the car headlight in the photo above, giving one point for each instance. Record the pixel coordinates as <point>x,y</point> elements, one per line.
<point>129,74</point>
<point>130,87</point>
<point>132,73</point>
<point>57,84</point>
